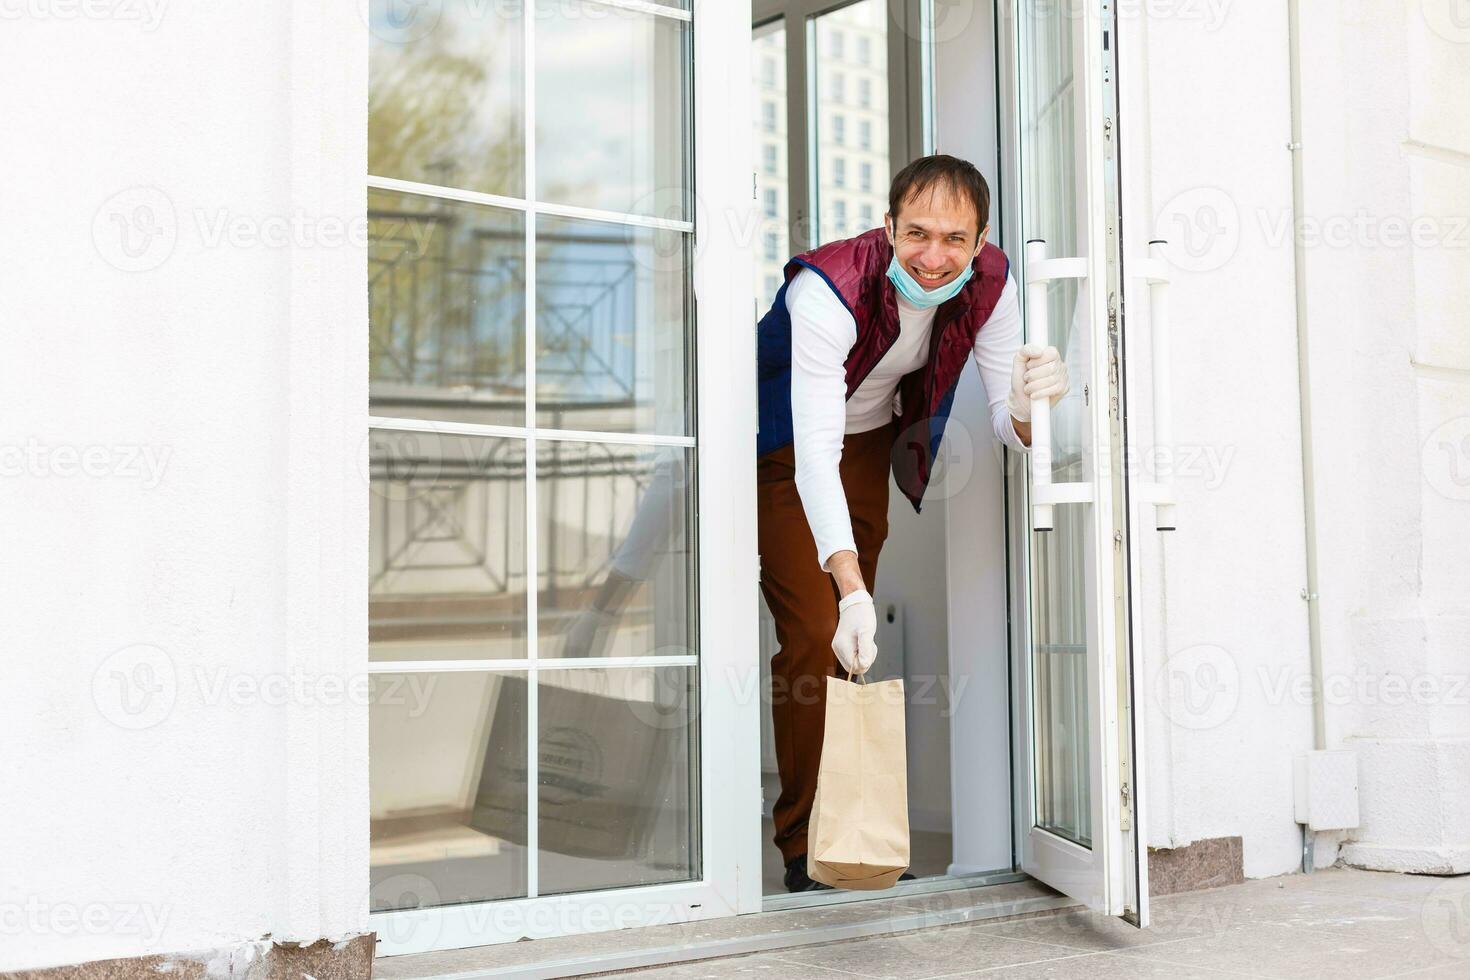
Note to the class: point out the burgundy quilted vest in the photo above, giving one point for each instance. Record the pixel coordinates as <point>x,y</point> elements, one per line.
<point>857,269</point>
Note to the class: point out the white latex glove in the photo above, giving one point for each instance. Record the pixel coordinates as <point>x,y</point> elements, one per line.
<point>1037,372</point>
<point>857,625</point>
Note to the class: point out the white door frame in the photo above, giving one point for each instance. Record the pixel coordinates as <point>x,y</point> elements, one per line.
<point>725,393</point>
<point>1109,875</point>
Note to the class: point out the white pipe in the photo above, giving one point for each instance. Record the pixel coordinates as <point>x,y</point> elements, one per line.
<point>1304,380</point>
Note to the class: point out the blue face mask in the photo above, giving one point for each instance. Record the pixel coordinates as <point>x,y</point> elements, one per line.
<point>908,287</point>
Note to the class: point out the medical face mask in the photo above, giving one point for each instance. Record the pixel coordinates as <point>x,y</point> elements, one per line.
<point>908,287</point>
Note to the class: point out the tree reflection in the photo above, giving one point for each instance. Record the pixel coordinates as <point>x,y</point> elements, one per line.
<point>446,108</point>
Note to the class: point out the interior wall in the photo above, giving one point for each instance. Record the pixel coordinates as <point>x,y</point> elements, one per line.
<point>911,573</point>
<point>971,486</point>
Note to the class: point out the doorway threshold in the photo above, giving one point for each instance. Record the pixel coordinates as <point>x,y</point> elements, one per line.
<point>907,889</point>
<point>949,901</point>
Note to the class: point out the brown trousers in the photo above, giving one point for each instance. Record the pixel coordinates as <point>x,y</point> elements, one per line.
<point>803,600</point>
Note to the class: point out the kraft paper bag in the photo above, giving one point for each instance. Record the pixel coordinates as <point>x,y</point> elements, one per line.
<point>858,833</point>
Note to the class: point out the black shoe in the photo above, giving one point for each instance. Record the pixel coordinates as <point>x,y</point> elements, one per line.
<point>797,880</point>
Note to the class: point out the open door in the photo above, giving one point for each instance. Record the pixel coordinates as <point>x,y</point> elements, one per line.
<point>1077,749</point>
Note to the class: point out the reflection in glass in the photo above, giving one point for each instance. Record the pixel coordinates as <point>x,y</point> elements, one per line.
<point>1049,197</point>
<point>850,93</point>
<point>446,294</point>
<point>617,798</point>
<point>445,98</point>
<point>447,551</point>
<point>613,344</point>
<point>1059,678</point>
<point>1059,662</point>
<point>434,739</point>
<point>616,550</point>
<point>612,109</point>
<point>768,69</point>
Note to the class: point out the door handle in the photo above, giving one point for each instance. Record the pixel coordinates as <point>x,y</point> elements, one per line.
<point>1040,272</point>
<point>1160,492</point>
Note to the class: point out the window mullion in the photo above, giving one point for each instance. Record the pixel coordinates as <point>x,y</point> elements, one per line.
<point>533,777</point>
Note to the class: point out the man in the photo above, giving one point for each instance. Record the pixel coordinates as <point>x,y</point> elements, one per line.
<point>859,358</point>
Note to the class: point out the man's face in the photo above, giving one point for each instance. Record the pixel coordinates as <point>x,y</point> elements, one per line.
<point>935,236</point>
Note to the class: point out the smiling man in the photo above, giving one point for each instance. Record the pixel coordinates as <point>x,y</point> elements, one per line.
<point>860,355</point>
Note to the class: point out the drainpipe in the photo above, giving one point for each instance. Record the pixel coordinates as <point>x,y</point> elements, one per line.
<point>1304,388</point>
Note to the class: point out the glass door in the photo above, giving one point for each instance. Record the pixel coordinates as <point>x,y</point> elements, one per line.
<point>1077,791</point>
<point>549,426</point>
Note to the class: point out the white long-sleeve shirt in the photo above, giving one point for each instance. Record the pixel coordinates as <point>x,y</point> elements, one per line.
<point>823,333</point>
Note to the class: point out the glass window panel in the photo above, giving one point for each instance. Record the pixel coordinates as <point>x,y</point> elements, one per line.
<point>445,97</point>
<point>613,312</point>
<point>616,550</point>
<point>1059,678</point>
<point>446,310</point>
<point>447,550</point>
<point>612,109</point>
<point>866,23</point>
<point>447,787</point>
<point>1062,775</point>
<point>769,72</point>
<point>618,791</point>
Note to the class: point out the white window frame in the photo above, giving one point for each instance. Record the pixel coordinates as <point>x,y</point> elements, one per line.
<point>910,134</point>
<point>723,441</point>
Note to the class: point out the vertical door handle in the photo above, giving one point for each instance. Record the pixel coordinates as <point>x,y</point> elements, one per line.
<point>1160,492</point>
<point>1040,272</point>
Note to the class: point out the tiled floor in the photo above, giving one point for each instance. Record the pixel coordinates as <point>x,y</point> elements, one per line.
<point>1339,924</point>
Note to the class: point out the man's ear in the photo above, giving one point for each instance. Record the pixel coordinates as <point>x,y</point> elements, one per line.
<point>984,234</point>
<point>888,228</point>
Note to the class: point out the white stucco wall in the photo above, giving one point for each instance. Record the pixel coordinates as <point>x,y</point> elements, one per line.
<point>1205,122</point>
<point>1387,213</point>
<point>181,448</point>
<point>1385,152</point>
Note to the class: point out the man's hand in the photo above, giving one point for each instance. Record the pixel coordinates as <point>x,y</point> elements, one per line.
<point>857,626</point>
<point>590,634</point>
<point>1037,372</point>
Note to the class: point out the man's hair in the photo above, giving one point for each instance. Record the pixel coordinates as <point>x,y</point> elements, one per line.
<point>941,172</point>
